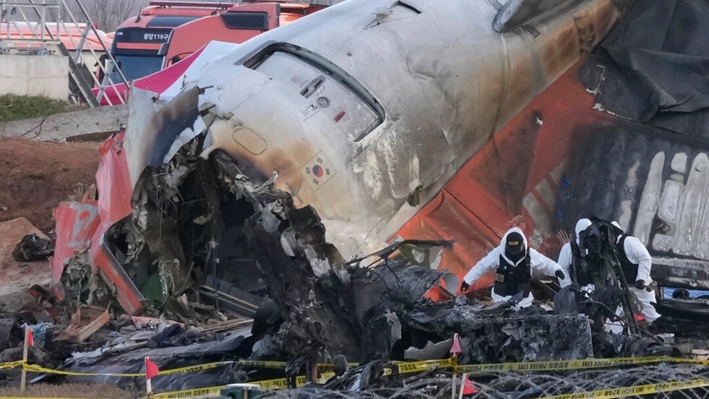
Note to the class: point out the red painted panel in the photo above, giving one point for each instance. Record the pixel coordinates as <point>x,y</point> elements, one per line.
<point>485,198</point>
<point>114,203</point>
<point>76,223</point>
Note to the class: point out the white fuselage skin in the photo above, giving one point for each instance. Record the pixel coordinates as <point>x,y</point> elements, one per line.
<point>445,79</point>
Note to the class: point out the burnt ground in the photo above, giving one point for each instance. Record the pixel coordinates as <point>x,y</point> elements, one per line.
<point>35,176</point>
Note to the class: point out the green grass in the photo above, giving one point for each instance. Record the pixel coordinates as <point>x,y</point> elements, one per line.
<point>14,107</point>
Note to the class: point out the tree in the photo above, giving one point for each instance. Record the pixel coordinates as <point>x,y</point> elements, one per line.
<point>107,14</point>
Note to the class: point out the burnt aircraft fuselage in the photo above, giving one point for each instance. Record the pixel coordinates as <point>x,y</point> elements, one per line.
<point>368,104</point>
<point>366,109</point>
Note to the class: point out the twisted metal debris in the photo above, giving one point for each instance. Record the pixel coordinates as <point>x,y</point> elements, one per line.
<point>498,385</point>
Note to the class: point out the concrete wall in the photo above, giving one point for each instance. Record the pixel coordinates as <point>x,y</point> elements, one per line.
<point>89,124</point>
<point>35,75</point>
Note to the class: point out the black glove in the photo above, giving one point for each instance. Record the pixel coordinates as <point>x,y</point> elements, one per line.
<point>560,275</point>
<point>640,284</point>
<point>464,286</point>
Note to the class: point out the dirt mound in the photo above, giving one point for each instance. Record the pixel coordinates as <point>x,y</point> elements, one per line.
<point>36,176</point>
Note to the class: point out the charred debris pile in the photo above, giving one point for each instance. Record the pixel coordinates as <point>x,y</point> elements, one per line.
<point>232,270</point>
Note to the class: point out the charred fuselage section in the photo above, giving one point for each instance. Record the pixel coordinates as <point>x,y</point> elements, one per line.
<point>202,231</point>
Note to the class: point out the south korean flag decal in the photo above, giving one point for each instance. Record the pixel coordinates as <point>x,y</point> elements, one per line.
<point>318,170</point>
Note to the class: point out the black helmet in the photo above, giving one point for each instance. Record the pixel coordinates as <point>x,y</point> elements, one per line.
<point>514,245</point>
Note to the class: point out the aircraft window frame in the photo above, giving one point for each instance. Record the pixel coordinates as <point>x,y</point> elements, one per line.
<point>256,57</point>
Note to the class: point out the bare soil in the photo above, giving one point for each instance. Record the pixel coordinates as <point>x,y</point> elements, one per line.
<point>35,176</point>
<point>17,277</point>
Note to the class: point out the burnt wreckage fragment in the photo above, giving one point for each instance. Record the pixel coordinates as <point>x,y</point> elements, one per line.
<point>498,333</point>
<point>200,227</point>
<point>330,307</point>
<point>598,260</point>
<point>33,247</point>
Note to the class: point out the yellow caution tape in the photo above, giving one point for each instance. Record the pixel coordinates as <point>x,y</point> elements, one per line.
<point>39,369</point>
<point>580,364</point>
<point>11,365</point>
<point>418,366</point>
<point>279,383</point>
<point>424,365</point>
<point>263,364</point>
<point>189,393</point>
<point>199,367</point>
<point>404,367</point>
<point>180,370</point>
<point>637,390</point>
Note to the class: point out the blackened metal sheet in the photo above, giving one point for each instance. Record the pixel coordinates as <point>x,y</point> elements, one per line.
<point>500,334</point>
<point>431,351</point>
<point>654,66</point>
<point>215,289</point>
<point>166,358</point>
<point>684,308</point>
<point>667,167</point>
<point>152,132</point>
<point>684,273</point>
<point>402,281</point>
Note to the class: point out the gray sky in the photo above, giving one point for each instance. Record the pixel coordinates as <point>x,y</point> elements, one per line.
<point>111,13</point>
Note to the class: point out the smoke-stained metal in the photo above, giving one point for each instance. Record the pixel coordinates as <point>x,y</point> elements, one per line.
<point>397,99</point>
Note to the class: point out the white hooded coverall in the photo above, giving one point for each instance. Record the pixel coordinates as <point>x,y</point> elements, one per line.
<point>491,261</point>
<point>566,256</point>
<point>636,253</point>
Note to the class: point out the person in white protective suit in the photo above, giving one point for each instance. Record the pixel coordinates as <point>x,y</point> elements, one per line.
<point>566,258</point>
<point>514,262</point>
<point>636,263</point>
